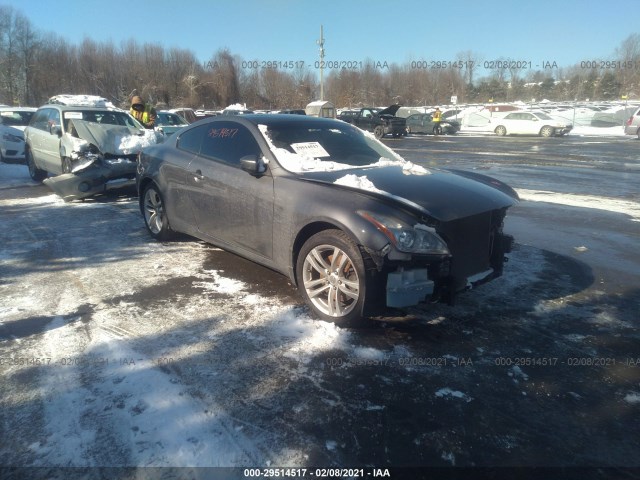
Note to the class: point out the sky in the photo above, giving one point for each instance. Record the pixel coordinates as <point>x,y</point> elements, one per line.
<point>535,33</point>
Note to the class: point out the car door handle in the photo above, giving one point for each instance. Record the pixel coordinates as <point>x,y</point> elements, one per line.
<point>198,175</point>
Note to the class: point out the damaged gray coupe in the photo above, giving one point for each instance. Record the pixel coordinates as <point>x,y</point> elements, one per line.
<point>355,226</point>
<point>90,147</point>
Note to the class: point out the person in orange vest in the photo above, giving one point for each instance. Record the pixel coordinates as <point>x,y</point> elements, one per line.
<point>145,114</point>
<point>436,118</point>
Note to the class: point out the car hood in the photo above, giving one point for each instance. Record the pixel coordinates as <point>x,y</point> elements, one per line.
<point>443,195</point>
<point>114,139</point>
<point>392,110</point>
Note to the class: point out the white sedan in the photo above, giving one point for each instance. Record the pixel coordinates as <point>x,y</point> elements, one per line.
<point>530,123</point>
<point>13,121</point>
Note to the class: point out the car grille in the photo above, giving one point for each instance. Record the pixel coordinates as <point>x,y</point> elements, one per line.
<point>471,241</point>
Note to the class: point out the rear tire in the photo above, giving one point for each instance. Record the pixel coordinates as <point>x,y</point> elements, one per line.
<point>36,174</point>
<point>378,132</point>
<point>501,131</point>
<point>155,216</point>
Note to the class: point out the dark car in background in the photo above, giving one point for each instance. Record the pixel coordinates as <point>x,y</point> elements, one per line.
<point>423,123</point>
<point>353,225</point>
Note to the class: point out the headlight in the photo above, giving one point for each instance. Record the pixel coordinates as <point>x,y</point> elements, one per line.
<point>409,239</point>
<point>7,137</point>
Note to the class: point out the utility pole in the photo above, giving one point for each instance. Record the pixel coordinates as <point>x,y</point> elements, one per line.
<point>321,44</point>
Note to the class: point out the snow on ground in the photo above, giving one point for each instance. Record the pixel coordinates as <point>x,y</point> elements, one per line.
<point>108,398</point>
<point>587,201</point>
<point>13,175</point>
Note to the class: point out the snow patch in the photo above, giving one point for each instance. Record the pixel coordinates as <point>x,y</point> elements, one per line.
<point>633,398</point>
<point>447,392</point>
<point>361,183</point>
<point>585,201</point>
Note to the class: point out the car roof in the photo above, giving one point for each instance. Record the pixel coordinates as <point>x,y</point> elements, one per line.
<point>274,120</point>
<point>82,108</point>
<point>18,109</point>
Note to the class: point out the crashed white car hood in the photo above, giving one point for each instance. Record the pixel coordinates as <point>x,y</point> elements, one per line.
<point>114,139</point>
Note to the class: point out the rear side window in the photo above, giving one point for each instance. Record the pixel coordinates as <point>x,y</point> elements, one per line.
<point>228,142</point>
<point>191,140</point>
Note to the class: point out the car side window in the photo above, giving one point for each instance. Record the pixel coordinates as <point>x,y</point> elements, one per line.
<point>191,140</point>
<point>40,119</point>
<point>54,119</point>
<point>228,142</point>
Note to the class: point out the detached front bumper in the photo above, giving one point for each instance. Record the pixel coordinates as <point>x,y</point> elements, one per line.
<point>93,180</point>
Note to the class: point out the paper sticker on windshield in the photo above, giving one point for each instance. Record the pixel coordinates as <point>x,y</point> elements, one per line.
<point>6,114</point>
<point>313,149</point>
<point>76,115</point>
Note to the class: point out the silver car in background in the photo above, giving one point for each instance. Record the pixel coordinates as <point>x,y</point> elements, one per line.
<point>13,121</point>
<point>632,127</point>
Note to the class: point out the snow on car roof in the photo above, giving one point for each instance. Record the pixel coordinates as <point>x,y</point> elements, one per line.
<point>81,101</point>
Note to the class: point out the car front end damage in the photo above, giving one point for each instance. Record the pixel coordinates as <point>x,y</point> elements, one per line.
<point>98,174</point>
<point>461,255</point>
<point>443,235</point>
<point>98,158</point>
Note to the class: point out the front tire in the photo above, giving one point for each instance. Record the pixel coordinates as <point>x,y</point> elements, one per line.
<point>546,131</point>
<point>67,166</point>
<point>331,277</point>
<point>501,131</point>
<point>154,213</point>
<point>36,173</point>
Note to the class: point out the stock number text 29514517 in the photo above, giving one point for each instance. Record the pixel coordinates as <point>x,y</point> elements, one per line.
<point>440,64</point>
<point>272,64</point>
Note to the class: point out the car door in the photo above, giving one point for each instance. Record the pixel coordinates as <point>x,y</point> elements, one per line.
<point>530,124</point>
<point>50,143</point>
<point>514,123</point>
<point>230,205</point>
<point>367,118</point>
<point>34,134</point>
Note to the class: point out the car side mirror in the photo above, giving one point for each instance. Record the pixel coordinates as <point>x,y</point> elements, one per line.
<point>55,130</point>
<point>253,165</point>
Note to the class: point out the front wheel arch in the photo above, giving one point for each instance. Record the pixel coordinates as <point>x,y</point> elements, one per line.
<point>335,277</point>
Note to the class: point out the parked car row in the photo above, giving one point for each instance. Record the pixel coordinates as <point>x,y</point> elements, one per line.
<point>354,226</point>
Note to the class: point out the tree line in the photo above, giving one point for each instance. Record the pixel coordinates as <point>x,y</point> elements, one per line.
<point>35,65</point>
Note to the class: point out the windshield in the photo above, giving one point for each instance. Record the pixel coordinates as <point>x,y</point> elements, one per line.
<point>301,147</point>
<point>15,119</point>
<point>104,117</point>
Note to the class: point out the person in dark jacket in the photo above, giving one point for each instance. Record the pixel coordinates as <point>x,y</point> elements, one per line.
<point>145,114</point>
